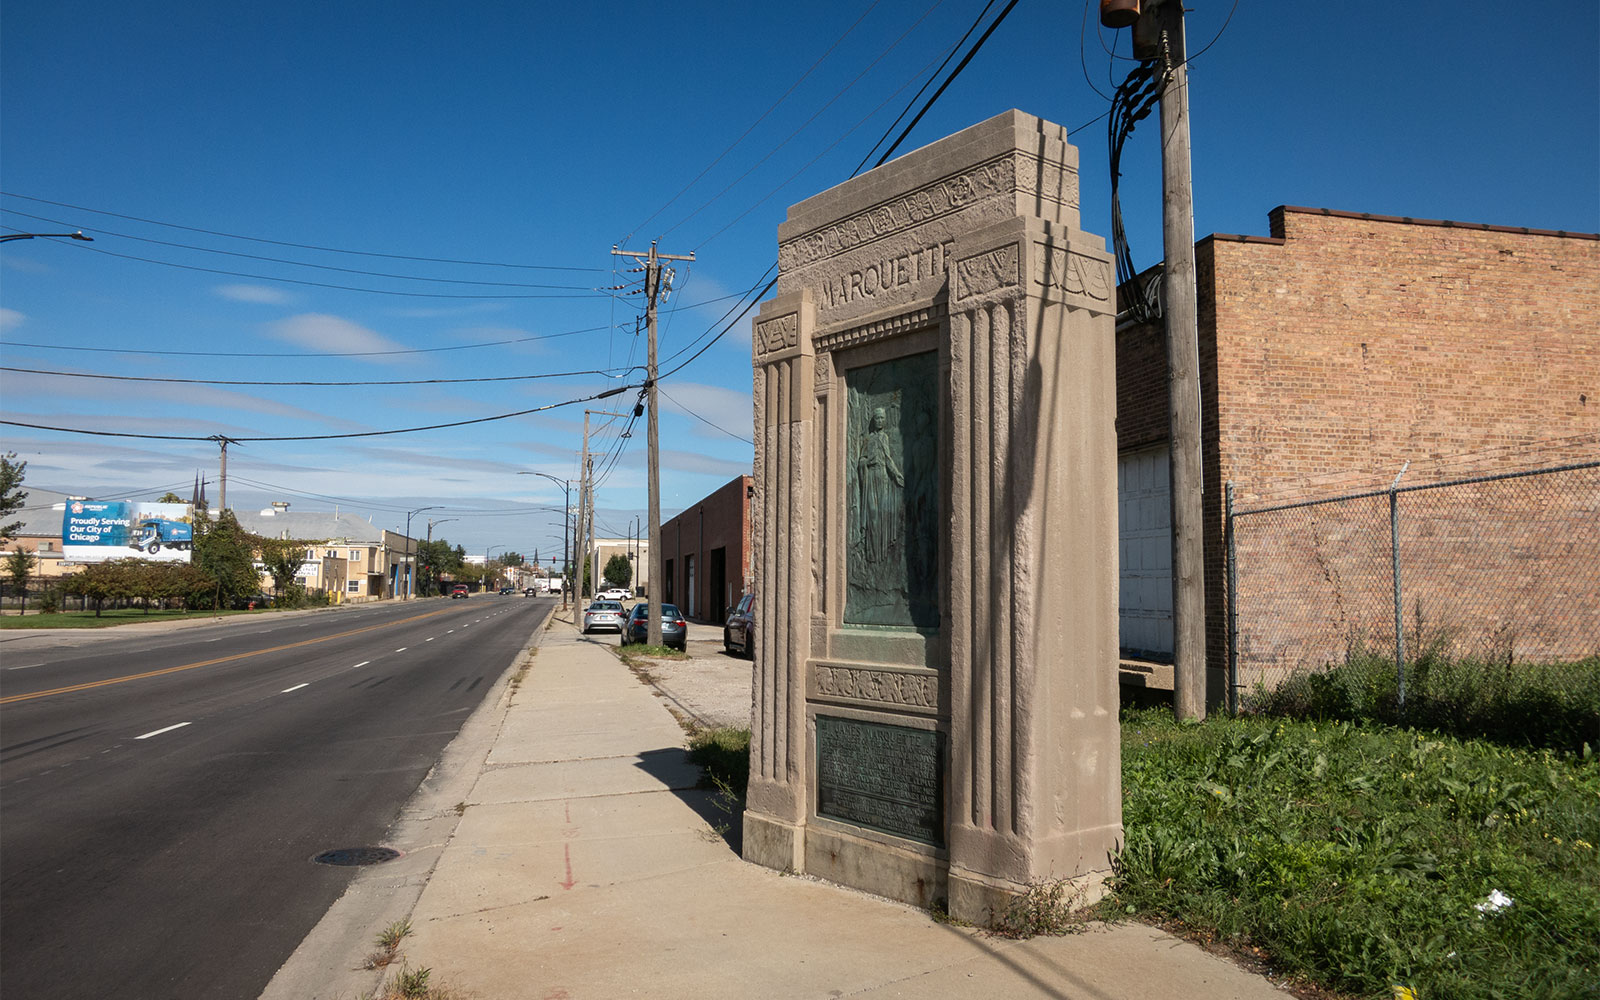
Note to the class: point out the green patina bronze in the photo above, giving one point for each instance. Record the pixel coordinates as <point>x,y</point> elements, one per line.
<point>892,484</point>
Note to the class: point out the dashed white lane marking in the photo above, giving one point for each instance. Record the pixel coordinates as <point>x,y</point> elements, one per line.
<point>428,639</point>
<point>25,666</point>
<point>158,732</point>
<point>295,688</point>
<point>447,632</point>
<point>361,664</point>
<point>402,649</point>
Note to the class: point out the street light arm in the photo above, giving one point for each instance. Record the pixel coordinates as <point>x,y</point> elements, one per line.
<point>8,237</point>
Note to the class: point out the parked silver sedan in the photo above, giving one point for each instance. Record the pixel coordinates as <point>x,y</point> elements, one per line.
<point>603,614</point>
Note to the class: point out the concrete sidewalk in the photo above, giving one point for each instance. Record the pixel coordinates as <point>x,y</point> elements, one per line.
<point>586,865</point>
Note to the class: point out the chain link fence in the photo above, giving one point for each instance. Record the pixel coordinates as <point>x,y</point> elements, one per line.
<point>1427,603</point>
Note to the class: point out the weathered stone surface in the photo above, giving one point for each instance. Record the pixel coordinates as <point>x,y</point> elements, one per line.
<point>936,529</point>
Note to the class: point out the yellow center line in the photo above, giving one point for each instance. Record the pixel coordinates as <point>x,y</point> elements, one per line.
<point>205,663</point>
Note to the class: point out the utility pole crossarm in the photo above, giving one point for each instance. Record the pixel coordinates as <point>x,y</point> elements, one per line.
<point>652,288</point>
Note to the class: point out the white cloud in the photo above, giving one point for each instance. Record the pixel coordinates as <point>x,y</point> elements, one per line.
<point>254,293</point>
<point>10,319</point>
<point>330,334</point>
<point>730,409</point>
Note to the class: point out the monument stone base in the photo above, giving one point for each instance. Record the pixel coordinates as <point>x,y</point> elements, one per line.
<point>773,843</point>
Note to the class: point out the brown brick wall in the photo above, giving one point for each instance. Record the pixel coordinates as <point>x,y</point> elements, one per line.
<point>1344,346</point>
<point>719,521</point>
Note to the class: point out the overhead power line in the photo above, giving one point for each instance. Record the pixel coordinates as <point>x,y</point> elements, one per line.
<point>324,437</point>
<point>306,246</point>
<point>302,354</point>
<point>594,293</point>
<point>298,263</point>
<point>609,373</point>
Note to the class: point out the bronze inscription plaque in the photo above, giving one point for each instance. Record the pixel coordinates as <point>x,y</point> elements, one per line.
<point>888,778</point>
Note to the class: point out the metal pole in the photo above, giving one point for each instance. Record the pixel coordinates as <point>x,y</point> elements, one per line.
<point>407,595</point>
<point>1233,610</point>
<point>1399,601</point>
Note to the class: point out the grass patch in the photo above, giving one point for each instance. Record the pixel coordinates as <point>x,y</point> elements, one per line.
<point>109,618</point>
<point>725,755</point>
<point>388,942</point>
<point>1362,857</point>
<point>656,652</point>
<point>412,984</point>
<point>1521,704</point>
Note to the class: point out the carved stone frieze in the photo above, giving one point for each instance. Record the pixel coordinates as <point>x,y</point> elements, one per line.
<point>989,271</point>
<point>907,689</point>
<point>1065,270</point>
<point>777,334</point>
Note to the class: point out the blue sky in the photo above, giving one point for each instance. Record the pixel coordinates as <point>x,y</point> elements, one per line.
<point>530,138</point>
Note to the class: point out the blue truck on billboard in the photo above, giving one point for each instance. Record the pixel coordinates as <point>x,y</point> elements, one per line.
<point>99,530</point>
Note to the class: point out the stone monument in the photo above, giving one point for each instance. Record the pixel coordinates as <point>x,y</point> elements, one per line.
<point>935,694</point>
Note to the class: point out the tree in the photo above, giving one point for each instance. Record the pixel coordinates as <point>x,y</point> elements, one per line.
<point>618,571</point>
<point>282,557</point>
<point>170,497</point>
<point>511,559</point>
<point>227,552</point>
<point>105,581</point>
<point>435,560</point>
<point>12,495</point>
<point>19,564</point>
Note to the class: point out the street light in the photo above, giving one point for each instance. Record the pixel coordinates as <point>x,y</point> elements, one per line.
<point>409,574</point>
<point>8,237</point>
<point>431,523</point>
<point>566,532</point>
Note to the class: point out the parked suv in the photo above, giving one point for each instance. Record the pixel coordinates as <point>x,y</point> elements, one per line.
<point>740,629</point>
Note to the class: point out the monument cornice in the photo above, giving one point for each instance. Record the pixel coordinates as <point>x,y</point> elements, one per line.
<point>882,328</point>
<point>1012,172</point>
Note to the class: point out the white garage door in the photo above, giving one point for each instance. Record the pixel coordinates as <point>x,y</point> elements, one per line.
<point>1144,545</point>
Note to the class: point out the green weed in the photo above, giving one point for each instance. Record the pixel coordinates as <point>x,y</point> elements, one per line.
<point>1358,856</point>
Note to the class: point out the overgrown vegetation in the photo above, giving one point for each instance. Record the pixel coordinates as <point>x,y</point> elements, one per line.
<point>725,754</point>
<point>1521,704</point>
<point>1365,858</point>
<point>1050,906</point>
<point>388,942</point>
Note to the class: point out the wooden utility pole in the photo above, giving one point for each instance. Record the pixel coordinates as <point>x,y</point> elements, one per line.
<point>652,290</point>
<point>580,552</point>
<point>222,483</point>
<point>1159,35</point>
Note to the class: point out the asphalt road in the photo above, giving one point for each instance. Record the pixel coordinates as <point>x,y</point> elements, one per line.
<point>162,796</point>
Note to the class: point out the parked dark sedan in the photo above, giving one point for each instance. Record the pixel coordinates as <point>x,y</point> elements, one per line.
<point>674,630</point>
<point>740,630</point>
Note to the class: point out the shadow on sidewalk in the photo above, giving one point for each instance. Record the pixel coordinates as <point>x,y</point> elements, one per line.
<point>721,811</point>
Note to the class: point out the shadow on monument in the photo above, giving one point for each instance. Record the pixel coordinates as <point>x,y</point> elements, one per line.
<point>721,812</point>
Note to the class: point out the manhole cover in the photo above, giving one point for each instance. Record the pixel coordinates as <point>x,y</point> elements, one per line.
<point>356,856</point>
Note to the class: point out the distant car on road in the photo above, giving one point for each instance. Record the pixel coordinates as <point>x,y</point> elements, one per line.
<point>506,590</point>
<point>529,592</point>
<point>674,630</point>
<point>459,590</point>
<point>602,614</point>
<point>740,629</point>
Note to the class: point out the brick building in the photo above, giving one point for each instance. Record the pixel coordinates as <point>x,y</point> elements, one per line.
<point>705,553</point>
<point>1337,350</point>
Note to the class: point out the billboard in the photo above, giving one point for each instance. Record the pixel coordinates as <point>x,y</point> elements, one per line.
<point>100,530</point>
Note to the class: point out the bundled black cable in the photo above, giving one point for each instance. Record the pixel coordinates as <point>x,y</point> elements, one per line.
<point>1131,103</point>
